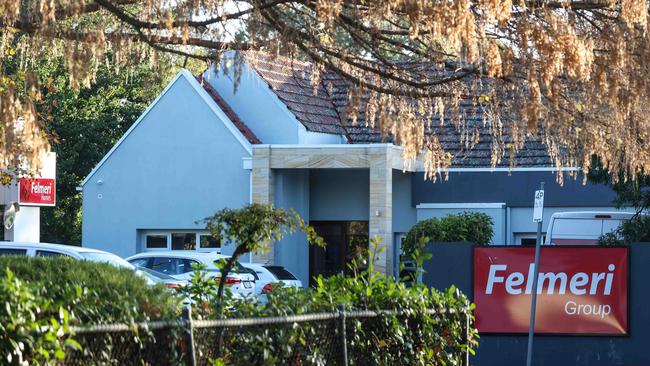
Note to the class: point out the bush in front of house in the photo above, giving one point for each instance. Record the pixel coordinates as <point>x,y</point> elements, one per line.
<point>32,328</point>
<point>427,327</point>
<point>44,296</point>
<point>472,227</point>
<point>93,293</point>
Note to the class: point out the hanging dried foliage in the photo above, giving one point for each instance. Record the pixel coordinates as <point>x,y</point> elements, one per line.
<point>570,74</point>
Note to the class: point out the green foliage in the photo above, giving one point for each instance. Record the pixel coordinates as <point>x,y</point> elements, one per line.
<point>251,228</point>
<point>473,227</point>
<point>632,231</point>
<point>32,328</point>
<point>430,330</point>
<point>92,292</point>
<point>629,192</point>
<point>44,296</point>
<point>254,226</point>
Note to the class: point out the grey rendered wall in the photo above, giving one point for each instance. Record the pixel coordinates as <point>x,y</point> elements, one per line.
<point>515,189</point>
<point>452,264</point>
<point>179,165</point>
<point>256,105</point>
<point>337,194</point>
<point>292,192</point>
<point>404,214</point>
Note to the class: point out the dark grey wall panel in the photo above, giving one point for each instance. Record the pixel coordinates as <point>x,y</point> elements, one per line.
<point>452,264</point>
<point>516,189</point>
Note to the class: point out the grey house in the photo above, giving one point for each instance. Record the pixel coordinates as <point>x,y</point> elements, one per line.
<point>201,147</point>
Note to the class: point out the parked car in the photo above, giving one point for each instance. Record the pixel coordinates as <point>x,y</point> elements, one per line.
<point>51,250</point>
<point>75,252</point>
<point>268,276</point>
<point>582,227</point>
<point>179,264</point>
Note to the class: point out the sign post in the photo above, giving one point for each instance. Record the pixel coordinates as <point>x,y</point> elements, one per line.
<point>538,213</point>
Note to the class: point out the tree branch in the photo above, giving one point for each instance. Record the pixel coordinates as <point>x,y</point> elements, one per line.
<point>136,23</point>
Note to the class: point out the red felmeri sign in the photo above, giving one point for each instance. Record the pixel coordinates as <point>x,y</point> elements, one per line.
<point>37,191</point>
<point>582,290</point>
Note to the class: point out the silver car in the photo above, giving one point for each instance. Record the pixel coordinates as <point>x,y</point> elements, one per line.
<point>180,265</point>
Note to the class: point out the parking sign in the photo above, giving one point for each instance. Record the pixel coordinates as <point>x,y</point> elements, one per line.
<point>539,206</point>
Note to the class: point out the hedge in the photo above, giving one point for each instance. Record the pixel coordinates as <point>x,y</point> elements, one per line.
<point>428,327</point>
<point>472,227</point>
<point>44,296</point>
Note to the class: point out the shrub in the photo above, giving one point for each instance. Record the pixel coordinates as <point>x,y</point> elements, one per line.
<point>473,227</point>
<point>32,328</point>
<point>632,231</point>
<point>429,330</point>
<point>43,296</point>
<point>93,292</point>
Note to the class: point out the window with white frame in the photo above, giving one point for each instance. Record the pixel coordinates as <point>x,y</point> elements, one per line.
<point>527,239</point>
<point>180,240</point>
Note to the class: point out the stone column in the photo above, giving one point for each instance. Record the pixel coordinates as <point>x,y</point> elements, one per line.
<point>263,191</point>
<point>381,206</point>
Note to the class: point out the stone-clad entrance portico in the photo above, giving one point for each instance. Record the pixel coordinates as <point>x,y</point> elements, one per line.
<point>379,159</point>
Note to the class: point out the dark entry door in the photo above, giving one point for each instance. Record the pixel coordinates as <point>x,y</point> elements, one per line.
<point>345,240</point>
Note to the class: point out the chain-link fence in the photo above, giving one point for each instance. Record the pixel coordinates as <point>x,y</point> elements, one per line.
<point>338,338</point>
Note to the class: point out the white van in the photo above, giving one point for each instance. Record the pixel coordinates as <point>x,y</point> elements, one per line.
<point>583,227</point>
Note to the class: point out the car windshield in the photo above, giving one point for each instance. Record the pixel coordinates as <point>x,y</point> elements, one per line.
<point>107,258</point>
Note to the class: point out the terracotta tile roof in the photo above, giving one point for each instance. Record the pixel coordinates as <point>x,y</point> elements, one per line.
<point>290,80</point>
<point>241,126</point>
<point>323,109</point>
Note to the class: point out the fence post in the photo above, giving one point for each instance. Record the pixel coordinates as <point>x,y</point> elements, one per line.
<point>189,336</point>
<point>344,341</point>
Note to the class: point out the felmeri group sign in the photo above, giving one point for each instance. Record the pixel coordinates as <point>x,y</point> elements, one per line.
<point>37,191</point>
<point>582,290</point>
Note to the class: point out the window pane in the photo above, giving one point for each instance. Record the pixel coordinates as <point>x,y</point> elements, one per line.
<point>207,241</point>
<point>528,241</point>
<point>532,241</point>
<point>156,241</point>
<point>47,253</point>
<point>183,241</point>
<point>13,251</point>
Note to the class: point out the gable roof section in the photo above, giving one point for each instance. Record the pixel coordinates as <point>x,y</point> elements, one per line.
<point>211,102</point>
<point>290,80</point>
<point>234,118</point>
<point>326,111</point>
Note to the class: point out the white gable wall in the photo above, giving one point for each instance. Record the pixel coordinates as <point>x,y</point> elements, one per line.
<point>315,138</point>
<point>262,110</point>
<point>179,164</point>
